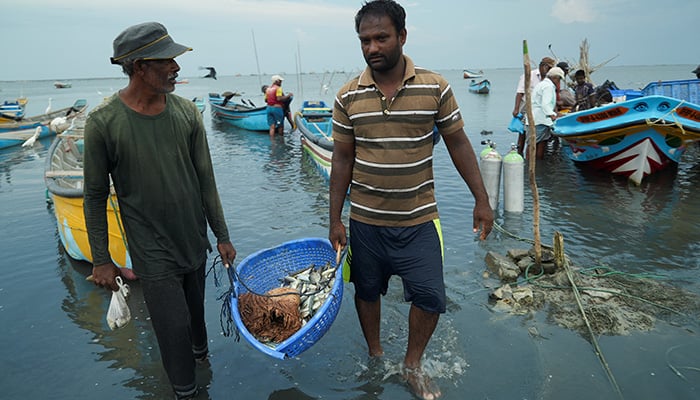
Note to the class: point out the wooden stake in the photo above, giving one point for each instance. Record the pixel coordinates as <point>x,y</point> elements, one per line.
<point>532,136</point>
<point>558,250</point>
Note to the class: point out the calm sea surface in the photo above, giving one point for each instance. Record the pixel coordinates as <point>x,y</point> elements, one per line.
<point>56,343</point>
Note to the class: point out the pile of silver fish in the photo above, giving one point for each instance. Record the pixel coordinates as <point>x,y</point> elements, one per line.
<point>314,285</point>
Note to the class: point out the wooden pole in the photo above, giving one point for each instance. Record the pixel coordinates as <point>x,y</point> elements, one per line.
<point>532,137</point>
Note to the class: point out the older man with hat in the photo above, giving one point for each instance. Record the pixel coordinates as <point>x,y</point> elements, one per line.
<point>536,77</point>
<point>544,101</point>
<point>153,146</point>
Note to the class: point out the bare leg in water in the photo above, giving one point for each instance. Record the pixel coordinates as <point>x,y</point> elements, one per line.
<point>369,314</point>
<point>421,325</point>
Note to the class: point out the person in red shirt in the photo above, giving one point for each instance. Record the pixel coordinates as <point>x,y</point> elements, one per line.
<point>276,100</point>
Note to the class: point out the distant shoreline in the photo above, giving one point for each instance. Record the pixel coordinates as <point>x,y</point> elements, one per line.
<point>192,77</point>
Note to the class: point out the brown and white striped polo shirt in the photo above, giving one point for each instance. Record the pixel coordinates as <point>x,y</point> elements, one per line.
<point>392,180</point>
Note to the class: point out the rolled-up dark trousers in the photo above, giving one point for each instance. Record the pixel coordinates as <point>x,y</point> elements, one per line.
<point>176,306</point>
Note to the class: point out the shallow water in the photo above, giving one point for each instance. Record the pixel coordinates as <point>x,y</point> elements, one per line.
<point>58,345</point>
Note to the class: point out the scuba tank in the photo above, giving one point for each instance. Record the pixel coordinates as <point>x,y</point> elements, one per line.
<point>490,165</point>
<point>513,181</point>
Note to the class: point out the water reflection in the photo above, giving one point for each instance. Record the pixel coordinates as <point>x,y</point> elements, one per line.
<point>132,347</point>
<point>604,218</point>
<point>15,156</point>
<point>289,394</point>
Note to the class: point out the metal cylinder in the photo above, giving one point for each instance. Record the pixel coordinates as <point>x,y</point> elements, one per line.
<point>513,181</point>
<point>490,165</point>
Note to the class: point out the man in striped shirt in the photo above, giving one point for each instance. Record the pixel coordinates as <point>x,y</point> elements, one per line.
<point>383,150</point>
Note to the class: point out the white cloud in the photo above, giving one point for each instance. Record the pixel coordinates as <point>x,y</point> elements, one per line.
<point>570,11</point>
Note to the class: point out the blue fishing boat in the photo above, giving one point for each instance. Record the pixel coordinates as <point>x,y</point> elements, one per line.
<point>243,114</point>
<point>12,110</point>
<point>315,123</point>
<point>15,133</point>
<point>633,138</point>
<point>480,87</point>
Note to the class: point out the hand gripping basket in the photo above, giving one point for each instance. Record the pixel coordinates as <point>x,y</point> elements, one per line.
<point>263,270</point>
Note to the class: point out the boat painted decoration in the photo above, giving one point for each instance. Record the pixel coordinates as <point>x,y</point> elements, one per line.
<point>633,138</point>
<point>315,123</point>
<point>243,114</point>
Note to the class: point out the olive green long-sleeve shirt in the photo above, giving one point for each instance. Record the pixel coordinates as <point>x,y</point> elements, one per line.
<point>163,176</point>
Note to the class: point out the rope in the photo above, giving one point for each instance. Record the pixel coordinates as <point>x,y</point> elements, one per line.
<point>119,223</point>
<point>672,113</point>
<point>225,317</point>
<point>594,341</point>
<point>533,280</point>
<point>607,271</point>
<point>598,272</point>
<point>676,370</point>
<point>514,236</point>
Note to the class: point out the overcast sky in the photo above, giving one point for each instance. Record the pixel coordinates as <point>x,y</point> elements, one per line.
<point>52,39</point>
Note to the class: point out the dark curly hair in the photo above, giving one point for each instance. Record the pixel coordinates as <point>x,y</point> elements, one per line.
<point>380,8</point>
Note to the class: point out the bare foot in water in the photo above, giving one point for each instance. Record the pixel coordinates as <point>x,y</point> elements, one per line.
<point>420,383</point>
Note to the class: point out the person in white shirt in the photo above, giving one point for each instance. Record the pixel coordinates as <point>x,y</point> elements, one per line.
<point>535,77</point>
<point>544,102</point>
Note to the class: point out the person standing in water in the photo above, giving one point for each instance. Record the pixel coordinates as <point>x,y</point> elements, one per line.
<point>383,144</point>
<point>153,146</point>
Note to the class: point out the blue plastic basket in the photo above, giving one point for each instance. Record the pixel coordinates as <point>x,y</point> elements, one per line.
<point>263,270</point>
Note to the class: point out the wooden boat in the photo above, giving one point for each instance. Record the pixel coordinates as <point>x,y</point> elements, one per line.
<point>315,123</point>
<point>62,85</point>
<point>13,110</point>
<point>242,114</point>
<point>470,74</point>
<point>15,133</point>
<point>63,175</point>
<point>633,138</point>
<point>480,87</point>
<point>199,102</point>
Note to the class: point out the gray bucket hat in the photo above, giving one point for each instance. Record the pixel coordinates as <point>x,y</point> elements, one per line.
<point>146,41</point>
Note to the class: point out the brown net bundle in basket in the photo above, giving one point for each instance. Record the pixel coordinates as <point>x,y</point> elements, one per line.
<point>272,317</point>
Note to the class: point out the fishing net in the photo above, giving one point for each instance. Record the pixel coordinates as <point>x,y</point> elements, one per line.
<point>273,317</point>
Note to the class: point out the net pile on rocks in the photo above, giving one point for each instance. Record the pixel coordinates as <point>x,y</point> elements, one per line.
<point>615,303</point>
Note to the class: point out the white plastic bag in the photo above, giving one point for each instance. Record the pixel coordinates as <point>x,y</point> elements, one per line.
<point>118,314</point>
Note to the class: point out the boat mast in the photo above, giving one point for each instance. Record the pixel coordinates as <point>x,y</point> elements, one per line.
<point>255,49</point>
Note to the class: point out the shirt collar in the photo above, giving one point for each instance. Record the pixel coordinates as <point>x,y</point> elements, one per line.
<point>366,78</point>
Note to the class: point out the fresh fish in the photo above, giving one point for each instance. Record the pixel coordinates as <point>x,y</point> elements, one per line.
<point>314,285</point>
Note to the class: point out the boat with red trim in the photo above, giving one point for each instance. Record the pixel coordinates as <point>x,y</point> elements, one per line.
<point>633,138</point>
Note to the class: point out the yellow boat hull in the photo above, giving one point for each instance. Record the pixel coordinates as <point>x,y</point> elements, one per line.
<point>71,229</point>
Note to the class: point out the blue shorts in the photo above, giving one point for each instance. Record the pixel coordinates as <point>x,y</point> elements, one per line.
<point>412,253</point>
<point>275,116</point>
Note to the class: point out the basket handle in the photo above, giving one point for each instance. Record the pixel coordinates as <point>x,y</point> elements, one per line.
<point>231,278</point>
